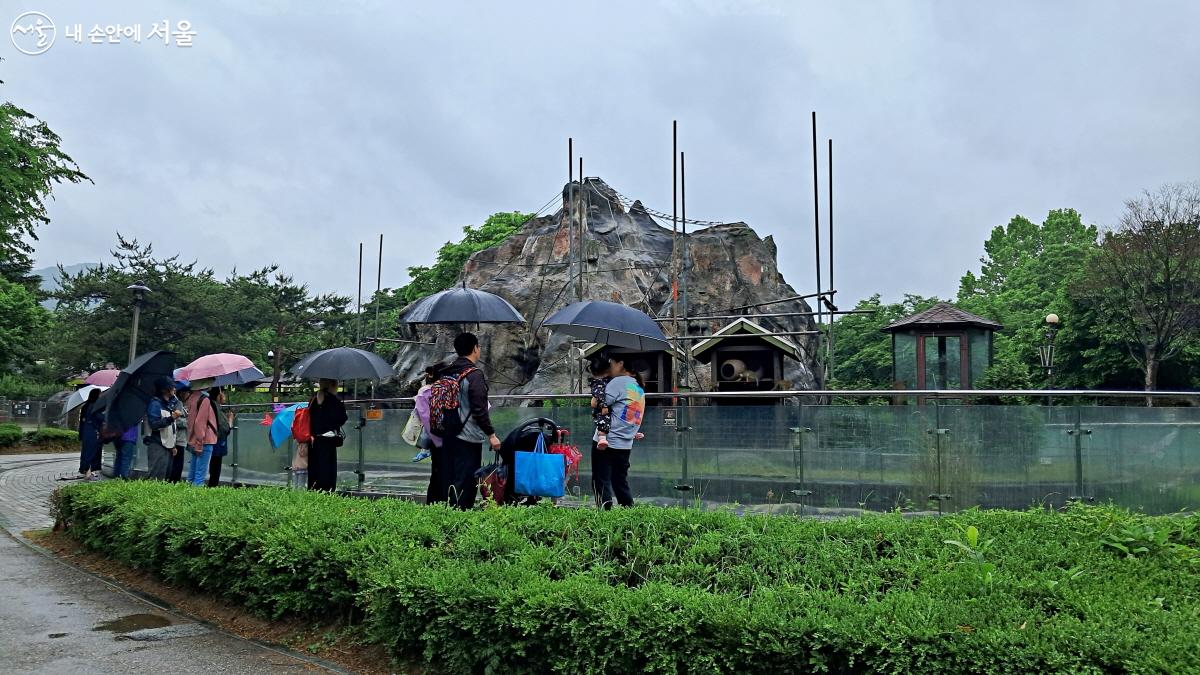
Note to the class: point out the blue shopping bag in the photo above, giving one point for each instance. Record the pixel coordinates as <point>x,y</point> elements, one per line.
<point>539,473</point>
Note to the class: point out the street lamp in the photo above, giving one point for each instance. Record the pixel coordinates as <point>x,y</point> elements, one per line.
<point>1046,351</point>
<point>139,296</point>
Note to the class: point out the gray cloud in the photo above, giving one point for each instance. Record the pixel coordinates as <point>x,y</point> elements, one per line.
<point>291,132</point>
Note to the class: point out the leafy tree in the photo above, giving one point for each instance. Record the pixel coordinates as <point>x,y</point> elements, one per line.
<point>451,257</point>
<point>31,162</point>
<point>283,319</point>
<point>22,319</point>
<point>863,351</point>
<point>1144,281</point>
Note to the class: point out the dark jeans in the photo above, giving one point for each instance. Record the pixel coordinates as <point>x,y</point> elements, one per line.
<point>322,465</point>
<point>214,470</point>
<point>176,473</point>
<point>462,459</point>
<point>440,467</point>
<point>90,453</point>
<point>123,462</point>
<point>610,477</point>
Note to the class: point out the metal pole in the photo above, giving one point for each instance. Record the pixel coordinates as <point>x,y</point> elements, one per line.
<point>234,452</point>
<point>378,283</point>
<point>582,236</point>
<point>575,387</point>
<point>687,359</point>
<point>1078,433</point>
<point>133,337</point>
<point>362,474</point>
<point>829,176</point>
<point>675,232</point>
<point>358,309</point>
<point>816,213</point>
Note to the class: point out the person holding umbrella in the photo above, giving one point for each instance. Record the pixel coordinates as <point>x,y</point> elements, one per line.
<point>91,419</point>
<point>626,399</point>
<point>183,395</point>
<point>202,436</point>
<point>161,414</point>
<point>462,455</point>
<point>326,416</point>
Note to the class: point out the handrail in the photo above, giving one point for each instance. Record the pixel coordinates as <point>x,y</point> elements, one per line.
<point>849,393</point>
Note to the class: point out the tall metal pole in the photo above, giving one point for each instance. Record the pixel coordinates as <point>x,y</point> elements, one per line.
<point>358,309</point>
<point>817,222</point>
<point>687,361</point>
<point>829,176</point>
<point>133,337</point>
<point>575,385</point>
<point>675,239</point>
<point>582,234</point>
<point>378,283</point>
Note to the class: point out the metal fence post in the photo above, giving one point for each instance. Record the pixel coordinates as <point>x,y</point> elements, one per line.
<point>1078,431</point>
<point>233,478</point>
<point>362,423</point>
<point>798,433</point>
<point>940,496</point>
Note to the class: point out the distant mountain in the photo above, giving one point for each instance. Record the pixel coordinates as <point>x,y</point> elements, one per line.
<point>49,277</point>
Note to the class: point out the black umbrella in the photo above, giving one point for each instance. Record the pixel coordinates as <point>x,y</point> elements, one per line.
<point>343,363</point>
<point>126,401</point>
<point>609,323</point>
<point>462,305</point>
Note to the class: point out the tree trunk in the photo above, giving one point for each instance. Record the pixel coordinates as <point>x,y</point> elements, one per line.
<point>276,363</point>
<point>1151,372</point>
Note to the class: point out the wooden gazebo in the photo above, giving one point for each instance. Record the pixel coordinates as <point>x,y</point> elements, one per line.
<point>941,348</point>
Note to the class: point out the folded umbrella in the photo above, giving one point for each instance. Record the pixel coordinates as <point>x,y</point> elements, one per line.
<point>214,365</point>
<point>126,401</point>
<point>103,378</point>
<point>343,363</point>
<point>80,396</point>
<point>609,323</point>
<point>462,305</point>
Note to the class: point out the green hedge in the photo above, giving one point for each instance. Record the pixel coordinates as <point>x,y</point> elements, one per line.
<point>10,434</point>
<point>672,590</point>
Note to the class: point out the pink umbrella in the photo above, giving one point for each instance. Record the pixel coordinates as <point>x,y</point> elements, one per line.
<point>103,378</point>
<point>213,365</point>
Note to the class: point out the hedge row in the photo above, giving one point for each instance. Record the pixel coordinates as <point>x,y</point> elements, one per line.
<point>672,590</point>
<point>12,434</point>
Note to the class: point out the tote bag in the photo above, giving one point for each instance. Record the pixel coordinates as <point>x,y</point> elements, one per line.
<point>539,473</point>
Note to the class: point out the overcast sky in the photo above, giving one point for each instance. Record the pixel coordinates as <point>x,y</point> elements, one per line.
<point>289,134</point>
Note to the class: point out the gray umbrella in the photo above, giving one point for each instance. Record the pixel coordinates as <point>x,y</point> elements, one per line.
<point>462,305</point>
<point>609,323</point>
<point>343,363</point>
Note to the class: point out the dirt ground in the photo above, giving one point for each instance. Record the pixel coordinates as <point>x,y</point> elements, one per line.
<point>334,643</point>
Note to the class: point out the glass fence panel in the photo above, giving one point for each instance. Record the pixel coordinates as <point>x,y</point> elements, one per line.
<point>1142,458</point>
<point>258,463</point>
<point>741,454</point>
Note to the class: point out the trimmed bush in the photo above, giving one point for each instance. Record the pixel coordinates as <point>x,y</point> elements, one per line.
<point>10,434</point>
<point>52,436</point>
<point>670,590</point>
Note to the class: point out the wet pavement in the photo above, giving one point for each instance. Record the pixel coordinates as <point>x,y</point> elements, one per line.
<point>55,618</point>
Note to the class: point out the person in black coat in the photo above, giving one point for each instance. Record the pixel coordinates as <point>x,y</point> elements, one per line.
<point>326,416</point>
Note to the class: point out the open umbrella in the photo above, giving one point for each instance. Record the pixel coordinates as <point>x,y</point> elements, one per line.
<point>281,426</point>
<point>80,396</point>
<point>609,323</point>
<point>103,378</point>
<point>462,305</point>
<point>127,399</point>
<point>343,363</point>
<point>214,365</point>
<point>238,377</point>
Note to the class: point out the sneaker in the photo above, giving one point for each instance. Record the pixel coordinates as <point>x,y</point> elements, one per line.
<point>422,455</point>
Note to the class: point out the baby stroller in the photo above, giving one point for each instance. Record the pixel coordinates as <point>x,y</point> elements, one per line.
<point>524,438</point>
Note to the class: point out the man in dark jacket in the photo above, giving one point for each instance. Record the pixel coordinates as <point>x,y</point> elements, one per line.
<point>462,456</point>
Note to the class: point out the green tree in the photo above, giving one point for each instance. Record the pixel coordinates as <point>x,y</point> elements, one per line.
<point>22,321</point>
<point>452,256</point>
<point>1144,281</point>
<point>31,162</point>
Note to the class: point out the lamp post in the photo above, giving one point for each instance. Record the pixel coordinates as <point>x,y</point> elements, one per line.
<point>139,296</point>
<point>1046,351</point>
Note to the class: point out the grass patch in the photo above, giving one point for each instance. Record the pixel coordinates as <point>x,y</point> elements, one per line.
<point>538,590</point>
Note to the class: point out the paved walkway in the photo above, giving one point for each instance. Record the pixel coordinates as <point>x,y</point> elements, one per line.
<point>55,618</point>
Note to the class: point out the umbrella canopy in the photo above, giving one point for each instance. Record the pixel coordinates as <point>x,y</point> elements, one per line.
<point>609,323</point>
<point>214,365</point>
<point>127,399</point>
<point>238,377</point>
<point>103,378</point>
<point>281,426</point>
<point>462,305</point>
<point>343,363</point>
<point>80,396</point>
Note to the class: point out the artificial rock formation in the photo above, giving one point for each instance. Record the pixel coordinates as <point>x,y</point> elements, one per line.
<point>627,257</point>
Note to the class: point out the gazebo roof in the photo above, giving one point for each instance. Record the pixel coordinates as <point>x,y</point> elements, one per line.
<point>746,328</point>
<point>942,314</point>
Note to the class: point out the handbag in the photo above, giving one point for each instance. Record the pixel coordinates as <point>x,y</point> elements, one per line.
<point>412,430</point>
<point>539,473</point>
<point>492,479</point>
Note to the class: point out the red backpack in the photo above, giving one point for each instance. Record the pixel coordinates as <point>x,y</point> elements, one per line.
<point>301,430</point>
<point>444,418</point>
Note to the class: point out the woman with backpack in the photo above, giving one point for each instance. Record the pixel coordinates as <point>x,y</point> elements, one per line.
<point>326,416</point>
<point>202,434</point>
